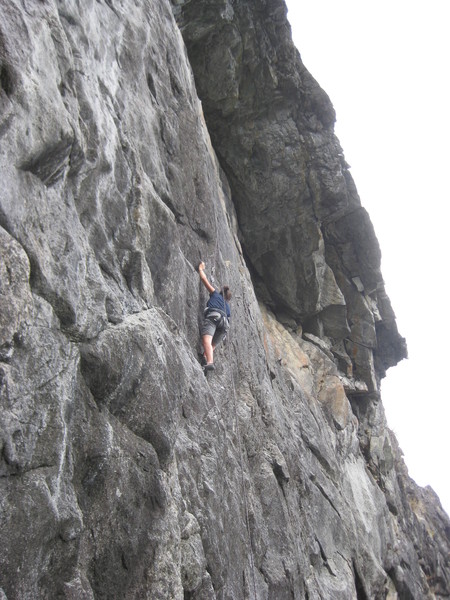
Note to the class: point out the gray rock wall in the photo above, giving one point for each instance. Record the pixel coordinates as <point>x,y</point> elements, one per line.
<point>125,473</point>
<point>310,243</point>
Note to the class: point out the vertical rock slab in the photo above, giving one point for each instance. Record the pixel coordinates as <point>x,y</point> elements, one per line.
<point>111,195</point>
<point>304,232</point>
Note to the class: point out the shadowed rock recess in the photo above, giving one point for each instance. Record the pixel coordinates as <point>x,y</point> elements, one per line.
<point>136,138</point>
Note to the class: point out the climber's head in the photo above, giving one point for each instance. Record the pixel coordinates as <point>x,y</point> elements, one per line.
<point>226,293</point>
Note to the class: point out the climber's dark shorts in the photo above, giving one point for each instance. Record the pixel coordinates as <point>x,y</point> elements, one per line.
<point>209,327</point>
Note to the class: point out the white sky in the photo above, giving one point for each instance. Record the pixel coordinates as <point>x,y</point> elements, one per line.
<point>385,67</point>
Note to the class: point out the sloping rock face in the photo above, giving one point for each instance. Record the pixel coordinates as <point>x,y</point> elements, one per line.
<point>311,245</point>
<point>125,473</point>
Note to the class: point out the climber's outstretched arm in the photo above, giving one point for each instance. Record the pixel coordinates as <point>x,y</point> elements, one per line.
<point>201,272</point>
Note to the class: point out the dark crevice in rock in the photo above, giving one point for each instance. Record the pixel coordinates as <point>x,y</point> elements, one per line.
<point>324,558</point>
<point>76,158</point>
<point>49,165</point>
<point>326,496</point>
<point>151,85</point>
<point>6,82</point>
<point>280,475</point>
<point>110,4</point>
<point>165,199</point>
<point>401,585</point>
<point>6,72</point>
<point>359,585</point>
<point>321,459</point>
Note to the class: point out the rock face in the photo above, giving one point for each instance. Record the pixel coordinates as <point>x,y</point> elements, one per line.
<point>126,474</point>
<point>311,246</point>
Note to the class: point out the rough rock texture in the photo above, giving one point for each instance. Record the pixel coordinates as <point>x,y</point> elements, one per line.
<point>310,243</point>
<point>125,473</point>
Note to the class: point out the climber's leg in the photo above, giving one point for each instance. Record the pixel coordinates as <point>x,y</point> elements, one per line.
<point>208,347</point>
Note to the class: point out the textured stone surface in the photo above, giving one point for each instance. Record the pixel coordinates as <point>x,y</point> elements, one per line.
<point>304,231</point>
<point>125,473</point>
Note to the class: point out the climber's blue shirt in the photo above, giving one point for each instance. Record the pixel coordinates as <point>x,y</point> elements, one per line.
<point>216,301</point>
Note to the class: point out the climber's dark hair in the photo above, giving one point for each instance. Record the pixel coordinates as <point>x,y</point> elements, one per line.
<point>225,292</point>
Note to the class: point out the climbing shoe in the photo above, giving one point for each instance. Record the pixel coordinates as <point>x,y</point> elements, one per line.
<point>209,367</point>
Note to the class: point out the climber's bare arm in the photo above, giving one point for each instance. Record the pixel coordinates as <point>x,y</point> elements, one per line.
<point>201,272</point>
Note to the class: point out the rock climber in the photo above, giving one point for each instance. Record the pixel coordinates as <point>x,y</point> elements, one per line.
<point>216,320</point>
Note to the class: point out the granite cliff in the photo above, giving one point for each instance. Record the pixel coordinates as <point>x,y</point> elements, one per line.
<point>137,138</point>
